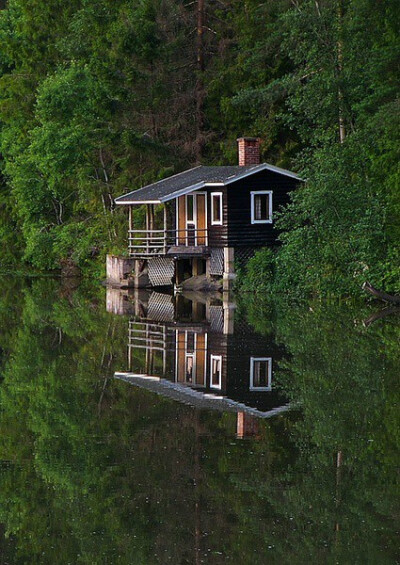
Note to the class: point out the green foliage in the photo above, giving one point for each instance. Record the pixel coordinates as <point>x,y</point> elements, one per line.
<point>99,97</point>
<point>243,97</point>
<point>9,235</point>
<point>334,235</point>
<point>342,227</point>
<point>74,110</point>
<point>259,272</point>
<point>331,355</point>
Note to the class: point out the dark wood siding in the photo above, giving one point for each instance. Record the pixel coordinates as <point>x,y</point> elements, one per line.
<point>244,344</point>
<point>237,229</point>
<point>217,346</point>
<point>241,232</point>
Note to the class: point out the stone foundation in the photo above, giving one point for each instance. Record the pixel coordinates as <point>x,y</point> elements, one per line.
<point>124,272</point>
<point>229,268</point>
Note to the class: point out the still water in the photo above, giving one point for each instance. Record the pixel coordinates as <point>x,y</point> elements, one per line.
<point>151,429</point>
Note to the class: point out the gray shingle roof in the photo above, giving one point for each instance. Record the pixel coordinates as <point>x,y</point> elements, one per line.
<point>193,179</point>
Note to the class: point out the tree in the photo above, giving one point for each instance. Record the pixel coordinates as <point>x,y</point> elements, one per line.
<point>342,226</point>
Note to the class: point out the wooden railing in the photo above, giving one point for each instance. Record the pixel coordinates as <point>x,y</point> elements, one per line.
<point>144,243</point>
<point>153,339</point>
<point>143,335</point>
<point>149,243</point>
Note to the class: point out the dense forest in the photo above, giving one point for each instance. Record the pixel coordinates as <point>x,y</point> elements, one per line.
<point>98,97</point>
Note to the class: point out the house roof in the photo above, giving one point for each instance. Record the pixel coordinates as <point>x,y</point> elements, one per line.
<point>194,179</point>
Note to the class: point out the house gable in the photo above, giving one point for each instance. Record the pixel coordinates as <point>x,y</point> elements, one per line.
<point>241,231</point>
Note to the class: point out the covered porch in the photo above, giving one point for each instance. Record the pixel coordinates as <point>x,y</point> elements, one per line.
<point>176,228</point>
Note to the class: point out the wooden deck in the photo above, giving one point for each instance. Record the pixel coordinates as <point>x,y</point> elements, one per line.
<point>187,251</point>
<point>145,244</point>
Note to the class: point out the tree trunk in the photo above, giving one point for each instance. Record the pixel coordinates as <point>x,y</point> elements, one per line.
<point>380,294</point>
<point>381,314</point>
<point>342,129</point>
<point>200,81</point>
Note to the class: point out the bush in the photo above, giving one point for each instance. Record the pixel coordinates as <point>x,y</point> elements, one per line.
<point>258,275</point>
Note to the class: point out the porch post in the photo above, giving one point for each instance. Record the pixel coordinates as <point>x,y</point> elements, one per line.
<point>130,229</point>
<point>165,229</point>
<point>149,225</point>
<point>229,315</point>
<point>229,268</point>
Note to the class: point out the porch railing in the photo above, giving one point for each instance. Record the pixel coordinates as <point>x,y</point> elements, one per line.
<point>147,243</point>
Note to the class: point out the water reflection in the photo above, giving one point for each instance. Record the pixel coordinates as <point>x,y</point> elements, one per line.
<point>95,471</point>
<point>190,348</point>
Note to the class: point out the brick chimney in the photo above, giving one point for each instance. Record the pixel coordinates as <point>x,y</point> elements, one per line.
<point>249,151</point>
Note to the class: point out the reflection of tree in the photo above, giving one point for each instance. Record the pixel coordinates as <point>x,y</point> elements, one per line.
<point>341,491</point>
<point>141,480</point>
<point>96,471</point>
<point>10,311</point>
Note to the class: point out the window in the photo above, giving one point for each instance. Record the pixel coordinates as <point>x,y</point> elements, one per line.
<point>190,346</point>
<point>261,207</point>
<point>189,368</point>
<point>216,208</point>
<point>260,373</point>
<point>216,371</point>
<point>190,208</point>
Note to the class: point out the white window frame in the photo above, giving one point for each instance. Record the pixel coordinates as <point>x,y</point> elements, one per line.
<point>192,355</point>
<point>254,193</point>
<point>194,221</point>
<point>193,358</point>
<point>220,196</point>
<point>260,388</point>
<point>216,358</point>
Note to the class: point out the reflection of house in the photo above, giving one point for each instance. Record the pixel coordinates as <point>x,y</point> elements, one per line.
<point>202,220</point>
<point>193,352</point>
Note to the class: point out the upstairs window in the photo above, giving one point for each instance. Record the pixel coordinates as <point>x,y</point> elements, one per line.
<point>261,207</point>
<point>260,373</point>
<point>216,208</point>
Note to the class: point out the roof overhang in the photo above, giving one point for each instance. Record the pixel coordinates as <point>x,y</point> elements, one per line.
<point>264,167</point>
<point>202,184</point>
<point>187,395</point>
<point>189,189</point>
<point>171,196</point>
<point>137,202</point>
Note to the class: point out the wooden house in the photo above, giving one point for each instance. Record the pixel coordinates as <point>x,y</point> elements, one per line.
<point>203,221</point>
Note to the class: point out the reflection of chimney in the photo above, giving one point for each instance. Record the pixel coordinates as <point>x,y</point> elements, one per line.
<point>249,151</point>
<point>247,426</point>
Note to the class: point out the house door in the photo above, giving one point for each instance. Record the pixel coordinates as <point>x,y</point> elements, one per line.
<point>201,218</point>
<point>192,219</point>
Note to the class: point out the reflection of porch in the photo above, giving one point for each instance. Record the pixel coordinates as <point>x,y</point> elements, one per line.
<point>153,339</point>
<point>155,242</point>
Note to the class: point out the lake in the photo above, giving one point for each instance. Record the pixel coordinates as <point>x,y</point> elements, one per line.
<point>145,428</point>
